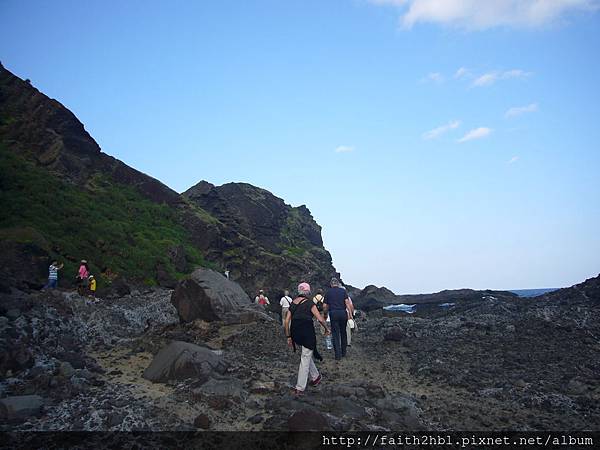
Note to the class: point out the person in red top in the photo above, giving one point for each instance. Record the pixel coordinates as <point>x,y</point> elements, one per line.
<point>262,299</point>
<point>82,277</point>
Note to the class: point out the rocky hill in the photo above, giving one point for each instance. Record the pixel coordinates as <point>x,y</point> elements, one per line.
<point>373,297</point>
<point>62,197</point>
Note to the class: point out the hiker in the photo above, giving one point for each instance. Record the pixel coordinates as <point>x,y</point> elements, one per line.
<point>300,330</point>
<point>92,284</point>
<point>227,273</point>
<point>285,303</point>
<point>53,275</point>
<point>82,277</point>
<point>339,310</point>
<point>262,299</point>
<point>318,300</point>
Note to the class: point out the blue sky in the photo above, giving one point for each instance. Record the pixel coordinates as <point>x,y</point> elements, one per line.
<point>439,144</point>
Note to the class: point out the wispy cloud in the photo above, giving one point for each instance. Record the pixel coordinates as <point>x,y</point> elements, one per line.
<point>490,78</point>
<point>461,73</point>
<point>518,110</point>
<point>433,77</point>
<point>513,160</point>
<point>437,132</point>
<point>344,149</point>
<point>480,15</point>
<point>476,133</point>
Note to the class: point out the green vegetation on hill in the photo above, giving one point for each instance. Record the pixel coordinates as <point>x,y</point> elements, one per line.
<point>110,225</point>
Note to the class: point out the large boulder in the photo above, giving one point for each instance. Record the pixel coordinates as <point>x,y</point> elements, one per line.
<point>181,360</point>
<point>209,296</point>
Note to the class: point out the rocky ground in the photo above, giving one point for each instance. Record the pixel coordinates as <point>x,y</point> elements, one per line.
<point>72,364</point>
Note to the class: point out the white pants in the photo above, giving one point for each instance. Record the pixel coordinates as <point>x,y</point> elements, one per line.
<point>307,366</point>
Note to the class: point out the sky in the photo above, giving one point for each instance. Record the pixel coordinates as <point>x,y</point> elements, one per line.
<point>440,144</point>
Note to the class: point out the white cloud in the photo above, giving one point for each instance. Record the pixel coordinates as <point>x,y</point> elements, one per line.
<point>485,79</point>
<point>518,110</point>
<point>461,73</point>
<point>483,14</point>
<point>433,77</point>
<point>437,132</point>
<point>490,78</point>
<point>344,149</point>
<point>513,160</point>
<point>476,133</point>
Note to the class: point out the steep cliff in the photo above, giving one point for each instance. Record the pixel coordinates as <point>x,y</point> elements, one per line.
<point>62,197</point>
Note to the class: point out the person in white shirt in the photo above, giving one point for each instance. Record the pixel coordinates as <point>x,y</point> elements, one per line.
<point>285,303</point>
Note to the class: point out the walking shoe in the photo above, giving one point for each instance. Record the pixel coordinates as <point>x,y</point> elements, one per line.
<point>316,381</point>
<point>297,392</point>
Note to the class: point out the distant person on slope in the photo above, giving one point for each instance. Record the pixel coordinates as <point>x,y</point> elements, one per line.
<point>82,277</point>
<point>53,275</point>
<point>285,303</point>
<point>92,283</point>
<point>339,310</point>
<point>300,330</point>
<point>262,299</point>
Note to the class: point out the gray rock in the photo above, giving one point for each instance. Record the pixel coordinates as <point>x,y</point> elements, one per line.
<point>576,387</point>
<point>66,370</point>
<point>13,313</point>
<point>256,419</point>
<point>181,360</point>
<point>209,296</point>
<point>20,407</point>
<point>231,388</point>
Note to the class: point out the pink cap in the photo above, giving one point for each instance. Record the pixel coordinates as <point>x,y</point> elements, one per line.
<point>303,287</point>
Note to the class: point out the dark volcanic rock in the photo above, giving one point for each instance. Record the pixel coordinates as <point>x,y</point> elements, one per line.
<point>164,278</point>
<point>308,420</point>
<point>270,243</point>
<point>372,298</point>
<point>181,360</point>
<point>202,421</point>
<point>209,296</point>
<point>20,407</point>
<point>395,335</point>
<point>117,288</point>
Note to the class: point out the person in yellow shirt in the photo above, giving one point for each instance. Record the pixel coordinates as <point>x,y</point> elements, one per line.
<point>92,285</point>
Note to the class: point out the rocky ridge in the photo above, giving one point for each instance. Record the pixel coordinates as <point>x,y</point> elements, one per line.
<point>374,298</point>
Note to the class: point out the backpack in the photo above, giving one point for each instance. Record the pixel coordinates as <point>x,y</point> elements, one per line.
<point>262,300</point>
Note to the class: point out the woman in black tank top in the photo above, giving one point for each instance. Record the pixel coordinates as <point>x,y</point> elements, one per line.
<point>300,331</point>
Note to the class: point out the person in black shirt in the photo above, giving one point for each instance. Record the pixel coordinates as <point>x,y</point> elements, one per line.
<point>339,309</point>
<point>300,330</point>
